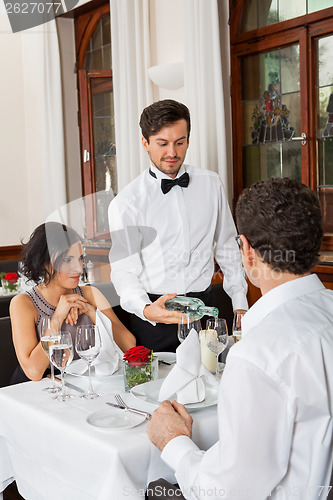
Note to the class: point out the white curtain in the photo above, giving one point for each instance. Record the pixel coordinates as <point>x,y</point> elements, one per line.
<point>132,86</point>
<point>203,87</point>
<point>45,160</point>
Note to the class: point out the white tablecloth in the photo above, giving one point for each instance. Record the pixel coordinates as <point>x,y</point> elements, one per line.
<point>52,452</point>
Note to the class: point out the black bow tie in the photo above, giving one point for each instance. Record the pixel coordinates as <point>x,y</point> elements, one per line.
<point>182,181</point>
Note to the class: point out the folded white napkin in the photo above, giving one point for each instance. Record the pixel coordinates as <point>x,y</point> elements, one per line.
<point>188,378</point>
<point>109,359</point>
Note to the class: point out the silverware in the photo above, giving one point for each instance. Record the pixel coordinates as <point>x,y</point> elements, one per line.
<point>70,386</point>
<point>74,387</point>
<point>127,408</point>
<point>120,401</point>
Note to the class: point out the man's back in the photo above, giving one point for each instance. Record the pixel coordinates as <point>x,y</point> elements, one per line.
<point>287,347</point>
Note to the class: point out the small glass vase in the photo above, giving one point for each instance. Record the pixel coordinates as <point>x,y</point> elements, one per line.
<point>138,373</point>
<point>8,287</point>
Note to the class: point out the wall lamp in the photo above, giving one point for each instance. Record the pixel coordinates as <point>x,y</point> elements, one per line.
<point>168,76</point>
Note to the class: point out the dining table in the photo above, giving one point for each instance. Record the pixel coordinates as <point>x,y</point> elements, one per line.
<point>52,450</point>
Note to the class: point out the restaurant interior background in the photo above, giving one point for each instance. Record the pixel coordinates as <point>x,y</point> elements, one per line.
<point>255,75</point>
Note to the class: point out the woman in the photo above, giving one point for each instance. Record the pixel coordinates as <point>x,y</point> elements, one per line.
<point>53,259</point>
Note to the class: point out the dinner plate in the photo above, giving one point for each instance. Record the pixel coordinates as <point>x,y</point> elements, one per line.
<point>114,418</point>
<point>167,357</point>
<point>149,392</point>
<point>118,373</point>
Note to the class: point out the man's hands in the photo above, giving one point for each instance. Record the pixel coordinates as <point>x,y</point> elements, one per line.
<point>169,421</point>
<point>156,311</point>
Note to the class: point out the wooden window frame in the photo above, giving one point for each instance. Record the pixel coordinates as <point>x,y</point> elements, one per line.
<point>303,30</point>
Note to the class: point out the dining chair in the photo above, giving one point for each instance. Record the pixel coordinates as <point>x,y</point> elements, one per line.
<point>8,359</point>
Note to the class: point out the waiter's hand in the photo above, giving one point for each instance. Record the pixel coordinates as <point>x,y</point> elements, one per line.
<point>169,421</point>
<point>156,311</point>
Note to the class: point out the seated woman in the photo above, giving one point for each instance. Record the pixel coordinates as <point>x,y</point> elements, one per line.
<point>53,259</point>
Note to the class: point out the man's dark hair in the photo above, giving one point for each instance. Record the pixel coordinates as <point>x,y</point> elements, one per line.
<point>281,219</point>
<point>45,250</point>
<point>163,114</point>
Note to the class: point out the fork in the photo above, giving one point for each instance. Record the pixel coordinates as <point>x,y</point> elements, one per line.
<point>121,402</point>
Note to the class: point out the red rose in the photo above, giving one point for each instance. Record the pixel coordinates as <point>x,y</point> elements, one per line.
<point>11,277</point>
<point>138,354</point>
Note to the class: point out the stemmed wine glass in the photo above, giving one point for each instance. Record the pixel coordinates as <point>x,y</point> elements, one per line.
<point>61,355</point>
<point>186,326</point>
<point>88,345</point>
<point>50,335</point>
<point>216,338</point>
<point>237,326</point>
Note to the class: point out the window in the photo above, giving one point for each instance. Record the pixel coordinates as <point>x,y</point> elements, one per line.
<point>96,117</point>
<point>282,96</point>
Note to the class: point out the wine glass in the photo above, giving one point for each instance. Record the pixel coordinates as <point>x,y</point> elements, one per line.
<point>216,337</point>
<point>49,335</point>
<point>186,326</point>
<point>88,345</point>
<point>237,326</point>
<point>61,355</point>
<point>20,274</point>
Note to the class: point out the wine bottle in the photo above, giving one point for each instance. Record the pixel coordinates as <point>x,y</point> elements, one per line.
<point>191,306</point>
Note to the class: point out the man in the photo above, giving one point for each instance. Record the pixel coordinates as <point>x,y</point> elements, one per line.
<point>167,226</point>
<point>276,393</point>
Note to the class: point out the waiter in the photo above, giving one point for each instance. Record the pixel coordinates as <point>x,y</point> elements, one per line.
<point>167,226</point>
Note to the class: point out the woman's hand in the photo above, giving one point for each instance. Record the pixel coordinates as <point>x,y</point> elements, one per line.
<point>69,307</point>
<point>83,307</point>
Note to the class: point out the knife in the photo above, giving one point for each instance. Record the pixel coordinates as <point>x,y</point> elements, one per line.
<point>133,410</point>
<point>70,386</point>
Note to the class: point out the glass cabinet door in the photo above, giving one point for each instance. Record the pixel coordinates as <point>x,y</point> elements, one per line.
<point>271,118</point>
<point>324,127</point>
<point>282,97</point>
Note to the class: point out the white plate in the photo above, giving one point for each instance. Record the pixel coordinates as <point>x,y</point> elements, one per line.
<point>118,373</point>
<point>168,357</point>
<point>12,294</point>
<point>113,418</point>
<point>149,392</point>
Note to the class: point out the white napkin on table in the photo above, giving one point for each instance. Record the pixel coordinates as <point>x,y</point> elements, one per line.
<point>110,357</point>
<point>188,378</point>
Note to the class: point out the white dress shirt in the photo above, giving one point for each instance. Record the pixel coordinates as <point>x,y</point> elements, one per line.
<point>275,405</point>
<point>166,243</point>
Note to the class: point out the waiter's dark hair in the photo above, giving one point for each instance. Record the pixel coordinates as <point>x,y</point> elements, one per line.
<point>45,250</point>
<point>163,114</point>
<point>281,219</point>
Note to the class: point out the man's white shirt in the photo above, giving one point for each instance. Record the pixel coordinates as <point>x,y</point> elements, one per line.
<point>166,243</point>
<point>275,405</point>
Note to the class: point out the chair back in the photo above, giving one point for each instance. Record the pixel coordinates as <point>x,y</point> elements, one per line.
<point>8,359</point>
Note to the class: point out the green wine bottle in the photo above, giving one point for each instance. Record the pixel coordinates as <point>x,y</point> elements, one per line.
<point>191,306</point>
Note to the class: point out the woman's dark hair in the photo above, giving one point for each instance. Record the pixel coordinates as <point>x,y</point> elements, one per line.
<point>45,250</point>
<point>281,219</point>
<point>162,114</point>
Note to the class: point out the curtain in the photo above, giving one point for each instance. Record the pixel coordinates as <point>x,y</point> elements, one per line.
<point>45,159</point>
<point>203,87</point>
<point>132,86</point>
